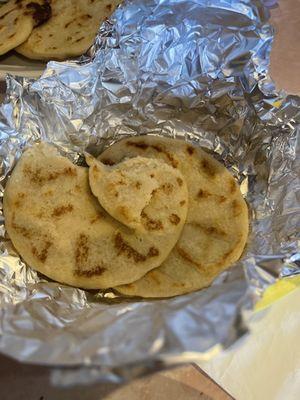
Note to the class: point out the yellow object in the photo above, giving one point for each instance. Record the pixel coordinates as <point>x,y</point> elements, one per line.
<point>281,288</point>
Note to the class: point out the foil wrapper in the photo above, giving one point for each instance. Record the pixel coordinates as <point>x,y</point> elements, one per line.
<point>197,70</point>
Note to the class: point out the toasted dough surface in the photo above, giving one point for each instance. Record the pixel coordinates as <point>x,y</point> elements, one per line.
<point>70,31</point>
<point>17,20</point>
<point>142,193</point>
<point>59,228</point>
<point>216,228</point>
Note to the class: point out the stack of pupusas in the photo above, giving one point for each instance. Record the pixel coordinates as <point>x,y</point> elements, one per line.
<point>51,29</point>
<point>151,217</point>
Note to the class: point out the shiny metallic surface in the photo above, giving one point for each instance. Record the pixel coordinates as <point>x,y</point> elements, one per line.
<point>193,70</point>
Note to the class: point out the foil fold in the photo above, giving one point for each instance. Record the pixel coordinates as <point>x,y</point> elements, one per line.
<point>192,70</point>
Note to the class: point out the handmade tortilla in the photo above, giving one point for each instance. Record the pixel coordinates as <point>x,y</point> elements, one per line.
<point>216,228</point>
<point>70,31</point>
<point>60,230</point>
<point>17,20</point>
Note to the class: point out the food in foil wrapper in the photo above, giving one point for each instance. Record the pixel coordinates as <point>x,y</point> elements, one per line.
<point>47,194</point>
<point>61,230</point>
<point>197,71</point>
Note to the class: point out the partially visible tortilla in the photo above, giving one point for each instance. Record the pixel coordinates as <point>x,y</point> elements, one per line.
<point>71,30</point>
<point>17,20</point>
<point>216,228</point>
<point>59,228</point>
<point>143,193</point>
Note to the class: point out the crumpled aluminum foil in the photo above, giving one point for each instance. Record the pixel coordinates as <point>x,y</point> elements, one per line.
<point>197,70</point>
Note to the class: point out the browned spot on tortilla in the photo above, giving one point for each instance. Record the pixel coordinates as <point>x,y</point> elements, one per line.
<point>50,34</point>
<point>179,181</point>
<point>61,210</point>
<point>22,230</point>
<point>232,186</point>
<point>98,217</point>
<point>37,176</point>
<point>109,7</point>
<point>48,193</point>
<point>185,255</point>
<point>151,224</point>
<point>208,168</point>
<point>174,219</point>
<point>88,273</point>
<point>108,161</point>
<point>82,249</point>
<point>182,203</point>
<point>53,48</point>
<point>203,194</point>
<point>153,252</point>
<point>43,254</point>
<point>158,148</point>
<point>79,40</point>
<point>167,188</point>
<point>70,22</point>
<point>86,16</point>
<point>209,230</point>
<point>236,208</point>
<point>124,248</point>
<point>116,194</point>
<point>95,168</point>
<point>40,12</point>
<point>139,145</point>
<point>190,150</point>
<point>11,36</point>
<point>221,199</point>
<point>178,284</point>
<point>138,185</point>
<point>151,175</point>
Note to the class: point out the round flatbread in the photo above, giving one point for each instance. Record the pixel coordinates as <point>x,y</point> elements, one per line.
<point>71,30</point>
<point>143,193</point>
<point>17,20</point>
<point>216,228</point>
<point>59,228</point>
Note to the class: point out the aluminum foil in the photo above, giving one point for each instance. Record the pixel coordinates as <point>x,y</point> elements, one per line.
<point>197,70</point>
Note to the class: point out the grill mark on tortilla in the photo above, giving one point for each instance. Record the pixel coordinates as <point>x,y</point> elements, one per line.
<point>124,248</point>
<point>159,149</point>
<point>37,177</point>
<point>61,210</point>
<point>182,203</point>
<point>204,194</point>
<point>179,181</point>
<point>183,254</point>
<point>40,12</point>
<point>174,219</point>
<point>151,224</point>
<point>107,161</point>
<point>82,249</point>
<point>88,273</point>
<point>167,188</point>
<point>209,230</point>
<point>43,254</point>
<point>21,230</point>
<point>78,40</point>
<point>208,168</point>
<point>190,150</point>
<point>97,218</point>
